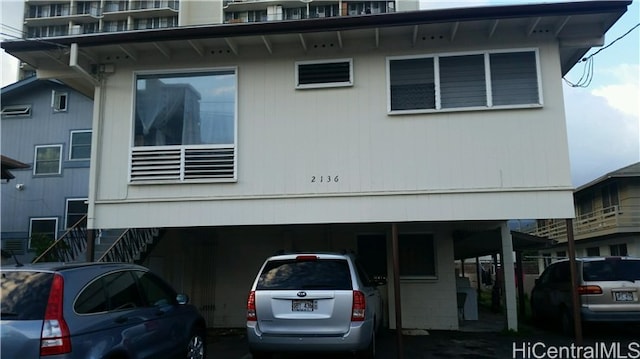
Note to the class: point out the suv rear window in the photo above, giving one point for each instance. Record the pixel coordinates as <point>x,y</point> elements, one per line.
<point>24,295</point>
<point>611,270</point>
<point>328,274</point>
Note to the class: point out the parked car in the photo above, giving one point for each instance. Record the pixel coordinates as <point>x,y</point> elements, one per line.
<point>95,310</point>
<point>313,302</point>
<point>609,290</point>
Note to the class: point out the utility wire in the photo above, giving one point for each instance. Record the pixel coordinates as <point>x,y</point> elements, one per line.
<point>587,71</point>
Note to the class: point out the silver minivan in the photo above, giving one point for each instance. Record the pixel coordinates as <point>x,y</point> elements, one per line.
<point>609,289</point>
<point>313,302</point>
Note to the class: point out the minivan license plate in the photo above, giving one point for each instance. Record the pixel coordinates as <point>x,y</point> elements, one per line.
<point>304,305</point>
<point>623,296</point>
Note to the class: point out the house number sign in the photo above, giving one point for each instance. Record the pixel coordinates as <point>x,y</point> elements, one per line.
<point>324,179</point>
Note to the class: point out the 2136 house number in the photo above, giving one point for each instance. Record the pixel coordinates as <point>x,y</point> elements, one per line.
<point>324,179</point>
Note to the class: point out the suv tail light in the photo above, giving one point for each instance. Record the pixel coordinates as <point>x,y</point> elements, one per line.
<point>358,307</point>
<point>251,307</point>
<point>589,289</point>
<point>55,336</point>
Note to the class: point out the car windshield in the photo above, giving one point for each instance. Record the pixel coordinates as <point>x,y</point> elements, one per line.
<point>316,274</point>
<point>612,270</point>
<point>24,295</point>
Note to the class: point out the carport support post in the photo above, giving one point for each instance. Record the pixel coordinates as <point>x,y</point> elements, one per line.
<point>509,278</point>
<point>520,281</point>
<point>577,322</point>
<point>90,245</point>
<point>396,290</point>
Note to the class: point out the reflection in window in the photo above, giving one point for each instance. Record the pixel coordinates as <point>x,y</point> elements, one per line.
<point>185,108</point>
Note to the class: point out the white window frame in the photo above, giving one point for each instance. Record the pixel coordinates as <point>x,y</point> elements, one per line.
<point>35,160</point>
<point>326,84</point>
<point>488,84</point>
<point>71,145</point>
<point>183,148</point>
<point>55,233</point>
<point>57,103</point>
<point>66,210</point>
<point>16,111</point>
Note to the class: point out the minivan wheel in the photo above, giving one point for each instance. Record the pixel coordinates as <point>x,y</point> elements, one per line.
<point>260,355</point>
<point>370,352</point>
<point>197,348</point>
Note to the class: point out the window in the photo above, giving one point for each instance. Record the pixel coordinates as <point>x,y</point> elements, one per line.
<point>546,259</point>
<point>155,291</point>
<point>48,160</point>
<point>21,304</point>
<point>185,126</point>
<point>16,111</point>
<point>417,255</point>
<point>585,208</point>
<point>43,228</point>
<point>76,209</point>
<point>59,101</point>
<point>80,145</point>
<point>469,81</point>
<point>330,73</point>
<point>619,250</point>
<point>593,252</point>
<point>610,198</point>
<point>290,274</point>
<point>122,291</point>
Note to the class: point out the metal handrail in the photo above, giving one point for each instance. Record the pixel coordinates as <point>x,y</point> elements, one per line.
<point>67,248</point>
<point>129,245</point>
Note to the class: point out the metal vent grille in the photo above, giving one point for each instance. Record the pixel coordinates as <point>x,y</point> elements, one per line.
<point>182,163</point>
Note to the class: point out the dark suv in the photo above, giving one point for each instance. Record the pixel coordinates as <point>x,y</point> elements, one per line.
<point>95,310</point>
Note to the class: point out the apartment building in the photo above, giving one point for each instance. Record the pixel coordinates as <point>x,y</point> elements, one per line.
<point>73,17</point>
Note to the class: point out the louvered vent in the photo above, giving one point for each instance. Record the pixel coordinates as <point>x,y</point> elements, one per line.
<point>209,163</point>
<point>154,164</point>
<point>182,163</point>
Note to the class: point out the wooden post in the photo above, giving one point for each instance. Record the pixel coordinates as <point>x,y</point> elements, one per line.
<point>520,282</point>
<point>396,290</point>
<point>90,245</point>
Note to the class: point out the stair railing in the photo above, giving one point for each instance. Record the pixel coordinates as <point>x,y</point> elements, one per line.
<point>130,245</point>
<point>69,246</point>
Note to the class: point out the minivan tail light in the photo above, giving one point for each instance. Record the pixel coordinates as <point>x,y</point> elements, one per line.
<point>251,307</point>
<point>589,289</point>
<point>55,337</point>
<point>359,306</point>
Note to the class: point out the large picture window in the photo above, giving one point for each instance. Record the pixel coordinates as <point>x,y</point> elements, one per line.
<point>462,82</point>
<point>185,126</point>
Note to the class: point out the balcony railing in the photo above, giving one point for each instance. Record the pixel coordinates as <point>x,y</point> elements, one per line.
<point>603,221</point>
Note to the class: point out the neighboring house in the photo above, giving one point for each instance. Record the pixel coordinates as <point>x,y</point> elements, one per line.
<point>407,137</point>
<point>607,219</point>
<point>46,125</point>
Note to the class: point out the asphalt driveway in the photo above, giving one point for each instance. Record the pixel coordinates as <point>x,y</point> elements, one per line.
<point>528,343</point>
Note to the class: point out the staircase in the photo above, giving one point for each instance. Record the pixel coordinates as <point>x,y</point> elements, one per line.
<point>131,245</point>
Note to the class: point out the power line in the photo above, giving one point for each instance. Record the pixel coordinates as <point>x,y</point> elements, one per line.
<point>587,71</point>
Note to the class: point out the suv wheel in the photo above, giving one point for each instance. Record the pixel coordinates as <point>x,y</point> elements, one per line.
<point>196,349</point>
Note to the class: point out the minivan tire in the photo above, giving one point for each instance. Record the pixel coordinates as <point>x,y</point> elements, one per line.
<point>197,346</point>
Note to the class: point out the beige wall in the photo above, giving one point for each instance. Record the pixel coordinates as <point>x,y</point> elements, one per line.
<point>457,165</point>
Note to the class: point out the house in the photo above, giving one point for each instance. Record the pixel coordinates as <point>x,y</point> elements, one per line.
<point>46,127</point>
<point>407,137</point>
<point>607,219</point>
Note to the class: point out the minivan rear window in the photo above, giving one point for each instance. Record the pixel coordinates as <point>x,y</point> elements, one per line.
<point>24,294</point>
<point>327,274</point>
<point>611,270</point>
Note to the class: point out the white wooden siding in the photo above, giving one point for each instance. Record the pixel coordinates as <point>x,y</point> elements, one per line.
<point>457,165</point>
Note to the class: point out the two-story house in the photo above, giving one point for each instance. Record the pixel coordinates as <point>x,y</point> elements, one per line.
<point>46,125</point>
<point>394,135</point>
<point>607,219</point>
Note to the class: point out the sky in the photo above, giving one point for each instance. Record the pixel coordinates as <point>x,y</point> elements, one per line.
<point>603,119</point>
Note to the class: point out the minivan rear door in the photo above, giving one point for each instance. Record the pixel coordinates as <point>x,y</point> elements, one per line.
<point>306,295</point>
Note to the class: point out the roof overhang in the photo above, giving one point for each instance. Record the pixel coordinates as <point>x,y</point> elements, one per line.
<point>577,26</point>
<point>483,243</point>
<point>10,164</point>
